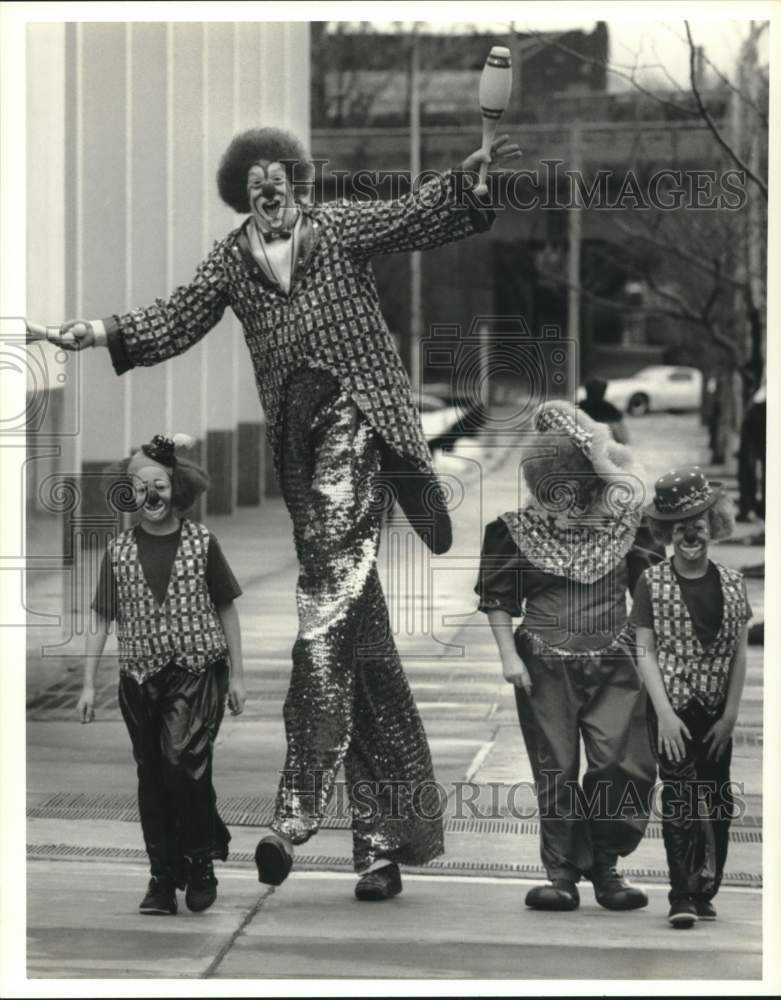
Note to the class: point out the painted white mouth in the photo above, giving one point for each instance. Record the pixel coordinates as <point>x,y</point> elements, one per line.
<point>691,551</point>
<point>272,210</point>
<point>156,511</point>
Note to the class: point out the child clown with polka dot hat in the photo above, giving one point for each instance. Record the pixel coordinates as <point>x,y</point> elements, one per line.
<point>691,616</point>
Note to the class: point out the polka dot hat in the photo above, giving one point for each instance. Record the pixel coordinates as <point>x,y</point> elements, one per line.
<point>683,493</point>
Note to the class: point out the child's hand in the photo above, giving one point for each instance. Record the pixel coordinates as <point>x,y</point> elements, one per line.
<point>515,672</point>
<point>720,733</point>
<point>86,704</point>
<point>670,738</point>
<point>237,696</point>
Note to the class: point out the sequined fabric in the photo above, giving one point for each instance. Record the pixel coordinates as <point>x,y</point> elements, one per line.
<point>583,552</point>
<point>621,645</point>
<point>331,316</point>
<point>689,670</point>
<point>185,628</point>
<point>349,701</point>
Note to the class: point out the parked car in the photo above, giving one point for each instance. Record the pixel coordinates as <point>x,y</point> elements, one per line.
<point>657,387</point>
<point>437,416</point>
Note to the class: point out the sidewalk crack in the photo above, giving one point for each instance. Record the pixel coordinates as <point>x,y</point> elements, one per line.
<point>249,916</point>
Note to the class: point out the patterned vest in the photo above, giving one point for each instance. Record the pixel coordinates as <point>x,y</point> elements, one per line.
<point>690,670</point>
<point>185,628</point>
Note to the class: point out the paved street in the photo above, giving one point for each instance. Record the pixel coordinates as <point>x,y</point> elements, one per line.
<point>461,917</point>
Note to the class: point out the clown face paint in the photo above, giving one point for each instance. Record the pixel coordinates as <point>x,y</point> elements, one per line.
<point>152,485</point>
<point>271,196</point>
<point>690,541</point>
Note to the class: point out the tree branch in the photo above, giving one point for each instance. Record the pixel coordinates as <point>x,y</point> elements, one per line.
<point>629,77</point>
<point>705,115</point>
<point>730,85</point>
<point>696,260</point>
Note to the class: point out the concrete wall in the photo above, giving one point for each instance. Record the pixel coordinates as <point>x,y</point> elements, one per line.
<point>127,126</point>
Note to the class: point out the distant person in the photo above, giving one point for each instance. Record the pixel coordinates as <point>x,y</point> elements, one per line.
<point>599,409</point>
<point>168,587</point>
<point>751,453</point>
<point>691,616</point>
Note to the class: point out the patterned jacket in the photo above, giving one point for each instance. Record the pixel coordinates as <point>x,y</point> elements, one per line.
<point>688,669</point>
<point>331,316</point>
<point>185,628</point>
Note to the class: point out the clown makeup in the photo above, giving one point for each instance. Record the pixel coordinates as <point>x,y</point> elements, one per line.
<point>271,196</point>
<point>152,485</point>
<point>690,541</point>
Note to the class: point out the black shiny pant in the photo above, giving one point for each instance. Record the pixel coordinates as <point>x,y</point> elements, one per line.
<point>349,701</point>
<point>697,807</point>
<point>173,719</point>
<point>601,700</point>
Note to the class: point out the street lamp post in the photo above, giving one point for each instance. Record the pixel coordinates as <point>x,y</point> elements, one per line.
<point>415,306</point>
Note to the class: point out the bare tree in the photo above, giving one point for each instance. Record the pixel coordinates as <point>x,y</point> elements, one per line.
<point>704,271</point>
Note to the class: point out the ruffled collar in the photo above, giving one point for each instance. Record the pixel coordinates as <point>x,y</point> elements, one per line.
<point>583,552</point>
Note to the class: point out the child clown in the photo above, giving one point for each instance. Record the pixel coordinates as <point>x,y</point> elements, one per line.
<point>170,590</point>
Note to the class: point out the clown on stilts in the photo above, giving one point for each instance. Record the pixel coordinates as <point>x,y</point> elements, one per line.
<point>340,415</point>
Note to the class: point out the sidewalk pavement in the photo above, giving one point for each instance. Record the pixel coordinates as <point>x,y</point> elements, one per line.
<point>460,917</point>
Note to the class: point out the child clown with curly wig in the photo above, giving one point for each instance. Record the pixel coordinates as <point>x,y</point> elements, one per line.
<point>692,619</point>
<point>171,592</point>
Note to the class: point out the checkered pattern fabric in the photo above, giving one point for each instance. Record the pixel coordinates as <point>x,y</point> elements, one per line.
<point>331,317</point>
<point>584,553</point>
<point>690,671</point>
<point>184,629</point>
<point>560,421</point>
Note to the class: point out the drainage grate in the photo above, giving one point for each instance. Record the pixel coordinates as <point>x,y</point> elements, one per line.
<point>310,862</point>
<point>250,810</point>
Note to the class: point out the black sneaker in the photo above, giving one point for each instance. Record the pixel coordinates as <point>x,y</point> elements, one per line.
<point>201,885</point>
<point>705,909</point>
<point>613,891</point>
<point>382,883</point>
<point>683,914</point>
<point>160,898</point>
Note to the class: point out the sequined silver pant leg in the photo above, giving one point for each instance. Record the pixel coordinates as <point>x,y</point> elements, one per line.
<point>349,701</point>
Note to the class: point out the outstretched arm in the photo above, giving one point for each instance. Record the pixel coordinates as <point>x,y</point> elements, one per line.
<point>162,330</point>
<point>440,210</point>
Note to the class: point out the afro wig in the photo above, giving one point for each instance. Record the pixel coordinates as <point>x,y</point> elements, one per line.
<point>721,521</point>
<point>272,145</point>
